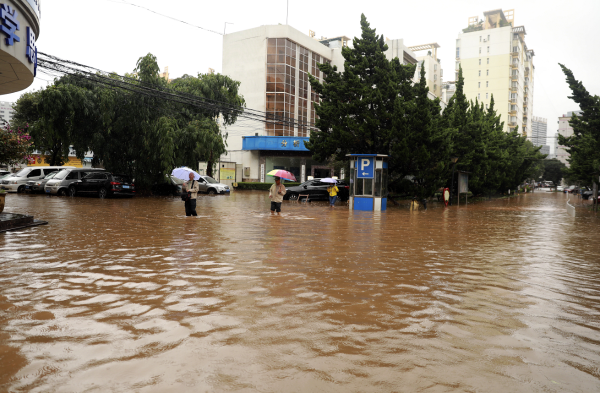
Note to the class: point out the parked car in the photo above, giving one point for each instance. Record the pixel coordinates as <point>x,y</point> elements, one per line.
<point>103,184</point>
<point>38,185</point>
<point>59,185</point>
<point>18,181</point>
<point>315,189</point>
<point>587,194</point>
<point>569,189</point>
<point>560,188</point>
<point>211,186</point>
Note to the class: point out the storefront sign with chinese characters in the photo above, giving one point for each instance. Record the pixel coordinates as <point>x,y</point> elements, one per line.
<point>9,25</point>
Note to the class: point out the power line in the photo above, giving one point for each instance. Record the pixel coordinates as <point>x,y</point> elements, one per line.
<point>170,17</point>
<point>57,65</point>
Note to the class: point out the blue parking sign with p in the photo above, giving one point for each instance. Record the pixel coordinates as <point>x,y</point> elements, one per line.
<point>366,168</point>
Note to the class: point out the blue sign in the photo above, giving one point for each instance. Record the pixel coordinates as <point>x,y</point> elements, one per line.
<point>9,24</point>
<point>31,52</point>
<point>282,143</point>
<point>365,167</point>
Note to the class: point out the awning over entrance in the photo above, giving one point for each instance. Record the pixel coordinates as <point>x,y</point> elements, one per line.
<point>280,143</point>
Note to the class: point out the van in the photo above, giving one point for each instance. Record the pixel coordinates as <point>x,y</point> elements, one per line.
<point>59,184</point>
<point>17,182</point>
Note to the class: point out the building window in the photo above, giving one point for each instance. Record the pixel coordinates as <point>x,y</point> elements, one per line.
<point>434,77</point>
<point>479,50</point>
<point>487,72</point>
<point>479,72</point>
<point>479,61</point>
<point>435,67</point>
<point>487,96</point>
<point>434,87</point>
<point>478,84</point>
<point>281,85</point>
<point>486,106</point>
<point>458,52</point>
<point>488,49</point>
<point>479,38</point>
<point>479,96</point>
<point>515,48</point>
<point>488,37</point>
<point>487,84</point>
<point>488,60</point>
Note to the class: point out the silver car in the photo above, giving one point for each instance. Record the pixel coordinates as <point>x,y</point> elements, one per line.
<point>59,185</point>
<point>211,186</point>
<point>38,185</point>
<point>16,182</point>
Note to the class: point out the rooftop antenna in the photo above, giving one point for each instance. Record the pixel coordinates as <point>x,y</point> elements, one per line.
<point>287,12</point>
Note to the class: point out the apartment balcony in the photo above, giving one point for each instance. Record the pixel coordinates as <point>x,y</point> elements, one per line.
<point>514,88</point>
<point>512,101</point>
<point>514,77</point>
<point>512,124</point>
<point>524,104</point>
<point>512,112</point>
<point>514,65</point>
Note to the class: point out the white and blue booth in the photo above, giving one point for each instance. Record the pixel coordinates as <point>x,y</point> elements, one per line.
<point>368,182</point>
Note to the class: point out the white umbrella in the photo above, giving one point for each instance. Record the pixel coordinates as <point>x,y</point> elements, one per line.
<point>328,180</point>
<point>183,173</point>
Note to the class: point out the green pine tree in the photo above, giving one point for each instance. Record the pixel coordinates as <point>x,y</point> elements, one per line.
<point>584,145</point>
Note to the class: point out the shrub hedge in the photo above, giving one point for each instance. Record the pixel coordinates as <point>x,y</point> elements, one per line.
<point>261,186</point>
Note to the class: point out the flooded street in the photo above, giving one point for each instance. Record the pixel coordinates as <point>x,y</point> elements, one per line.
<point>129,295</point>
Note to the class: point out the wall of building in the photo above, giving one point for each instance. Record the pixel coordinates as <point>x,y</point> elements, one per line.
<point>17,68</point>
<point>485,60</point>
<point>565,130</point>
<point>6,112</point>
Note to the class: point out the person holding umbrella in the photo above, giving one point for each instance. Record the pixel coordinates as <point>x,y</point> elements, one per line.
<point>277,190</point>
<point>190,188</point>
<point>276,193</point>
<point>332,190</point>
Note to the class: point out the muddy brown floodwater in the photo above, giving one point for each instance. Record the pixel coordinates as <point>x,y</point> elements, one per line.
<point>129,295</point>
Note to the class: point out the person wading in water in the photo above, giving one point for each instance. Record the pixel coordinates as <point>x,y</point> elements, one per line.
<point>276,193</point>
<point>192,187</point>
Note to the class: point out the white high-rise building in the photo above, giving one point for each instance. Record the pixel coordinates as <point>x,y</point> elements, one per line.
<point>539,133</point>
<point>496,61</point>
<point>6,112</point>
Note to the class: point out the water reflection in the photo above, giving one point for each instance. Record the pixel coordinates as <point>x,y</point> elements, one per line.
<point>130,295</point>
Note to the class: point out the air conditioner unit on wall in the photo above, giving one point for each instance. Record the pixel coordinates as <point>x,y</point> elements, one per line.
<point>485,40</point>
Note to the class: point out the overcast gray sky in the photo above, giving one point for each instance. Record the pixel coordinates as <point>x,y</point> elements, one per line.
<point>111,35</point>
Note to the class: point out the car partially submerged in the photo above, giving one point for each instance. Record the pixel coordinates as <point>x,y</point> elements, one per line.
<point>315,189</point>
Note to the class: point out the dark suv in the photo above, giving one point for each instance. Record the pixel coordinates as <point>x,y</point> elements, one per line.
<point>315,189</point>
<point>103,184</point>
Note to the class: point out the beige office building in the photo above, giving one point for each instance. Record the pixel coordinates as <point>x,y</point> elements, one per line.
<point>496,61</point>
<point>272,63</point>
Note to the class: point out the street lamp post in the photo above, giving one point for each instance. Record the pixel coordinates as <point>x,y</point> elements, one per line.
<point>454,159</point>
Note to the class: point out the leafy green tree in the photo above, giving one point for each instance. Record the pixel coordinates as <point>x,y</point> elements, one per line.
<point>50,114</point>
<point>554,170</point>
<point>143,135</point>
<point>584,145</point>
<point>356,105</point>
<point>374,106</point>
<point>420,149</point>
